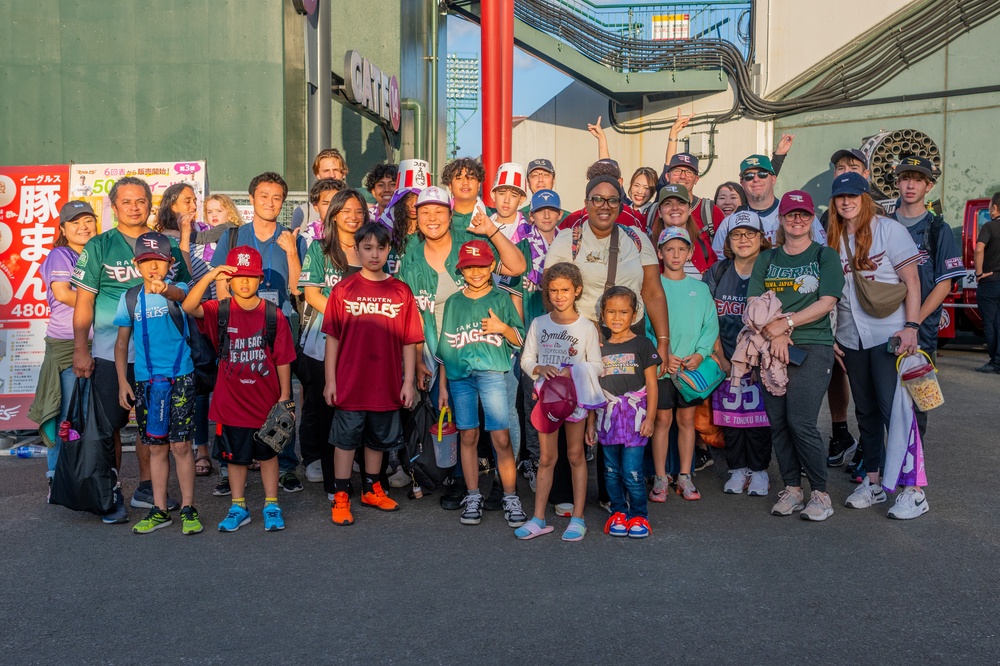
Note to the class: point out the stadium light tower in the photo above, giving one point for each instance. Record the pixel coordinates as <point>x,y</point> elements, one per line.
<point>461,95</point>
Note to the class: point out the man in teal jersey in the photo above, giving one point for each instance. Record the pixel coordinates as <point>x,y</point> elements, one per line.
<point>103,273</point>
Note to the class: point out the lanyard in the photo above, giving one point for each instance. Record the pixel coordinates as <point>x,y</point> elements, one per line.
<point>270,249</point>
<point>145,337</point>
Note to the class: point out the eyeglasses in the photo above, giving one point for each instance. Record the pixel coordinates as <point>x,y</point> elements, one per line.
<point>749,234</point>
<point>597,202</point>
<point>749,176</point>
<point>798,215</point>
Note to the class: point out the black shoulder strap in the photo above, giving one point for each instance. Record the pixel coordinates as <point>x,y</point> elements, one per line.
<point>933,233</point>
<point>131,298</point>
<point>270,325</point>
<point>224,328</point>
<point>177,315</point>
<point>234,238</point>
<point>613,258</point>
<point>718,270</point>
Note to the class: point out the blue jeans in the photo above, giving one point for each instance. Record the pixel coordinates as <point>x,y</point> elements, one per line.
<point>623,472</point>
<point>67,383</point>
<point>988,300</point>
<point>488,388</point>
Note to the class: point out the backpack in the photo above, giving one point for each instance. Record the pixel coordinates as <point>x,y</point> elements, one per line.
<point>203,355</point>
<point>931,237</point>
<point>270,326</point>
<point>708,224</point>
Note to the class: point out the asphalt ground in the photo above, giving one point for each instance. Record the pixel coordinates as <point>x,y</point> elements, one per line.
<point>719,580</point>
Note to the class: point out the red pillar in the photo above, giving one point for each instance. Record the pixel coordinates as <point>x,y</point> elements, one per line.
<point>497,63</point>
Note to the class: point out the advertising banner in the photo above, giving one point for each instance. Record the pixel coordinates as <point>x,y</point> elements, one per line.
<point>30,198</point>
<point>92,183</point>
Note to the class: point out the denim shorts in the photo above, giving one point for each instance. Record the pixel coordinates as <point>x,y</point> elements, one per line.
<point>488,388</point>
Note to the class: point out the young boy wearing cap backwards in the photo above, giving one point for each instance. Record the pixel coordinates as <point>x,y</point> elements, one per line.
<point>369,310</point>
<point>255,349</point>
<point>479,332</point>
<point>161,351</point>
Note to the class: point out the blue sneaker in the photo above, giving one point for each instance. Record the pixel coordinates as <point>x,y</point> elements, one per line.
<point>273,520</point>
<point>237,517</point>
<point>638,528</point>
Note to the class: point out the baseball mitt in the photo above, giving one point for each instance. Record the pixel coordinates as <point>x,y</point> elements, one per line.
<point>279,426</point>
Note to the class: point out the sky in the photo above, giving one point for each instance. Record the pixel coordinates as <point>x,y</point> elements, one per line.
<point>534,82</point>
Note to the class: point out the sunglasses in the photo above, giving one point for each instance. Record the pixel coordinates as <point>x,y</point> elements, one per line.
<point>749,176</point>
<point>597,202</point>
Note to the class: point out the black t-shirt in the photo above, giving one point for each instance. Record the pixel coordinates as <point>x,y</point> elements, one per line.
<point>989,234</point>
<point>730,293</point>
<point>625,364</point>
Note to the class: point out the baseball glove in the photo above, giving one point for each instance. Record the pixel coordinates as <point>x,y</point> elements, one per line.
<point>279,426</point>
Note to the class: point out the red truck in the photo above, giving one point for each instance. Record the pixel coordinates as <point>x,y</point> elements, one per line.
<point>960,314</point>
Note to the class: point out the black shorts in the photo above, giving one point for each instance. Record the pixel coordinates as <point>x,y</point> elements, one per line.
<point>105,385</point>
<point>239,446</point>
<point>668,397</point>
<point>182,397</point>
<point>378,431</point>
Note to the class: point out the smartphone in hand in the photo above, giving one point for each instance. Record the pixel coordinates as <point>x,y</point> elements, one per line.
<point>893,345</point>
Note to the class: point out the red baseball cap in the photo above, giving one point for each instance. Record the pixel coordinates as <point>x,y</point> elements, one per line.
<point>475,253</point>
<point>796,200</point>
<point>556,402</point>
<point>246,260</point>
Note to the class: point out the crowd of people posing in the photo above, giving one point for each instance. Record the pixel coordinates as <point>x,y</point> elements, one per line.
<point>632,330</point>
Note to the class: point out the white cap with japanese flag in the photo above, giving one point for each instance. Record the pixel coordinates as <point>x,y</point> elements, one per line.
<point>511,174</point>
<point>413,175</point>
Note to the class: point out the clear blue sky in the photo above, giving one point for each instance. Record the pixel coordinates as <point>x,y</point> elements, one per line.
<point>534,82</point>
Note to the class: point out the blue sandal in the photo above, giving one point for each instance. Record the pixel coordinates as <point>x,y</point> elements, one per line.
<point>533,528</point>
<point>576,531</point>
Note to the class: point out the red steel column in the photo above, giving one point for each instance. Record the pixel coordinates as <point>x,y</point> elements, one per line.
<point>497,25</point>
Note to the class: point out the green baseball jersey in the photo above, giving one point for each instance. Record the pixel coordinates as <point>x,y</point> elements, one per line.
<point>106,268</point>
<point>318,270</point>
<point>463,347</point>
<point>423,280</point>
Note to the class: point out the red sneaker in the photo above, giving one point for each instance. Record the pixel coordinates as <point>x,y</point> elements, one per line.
<point>638,528</point>
<point>340,509</point>
<point>378,499</point>
<point>616,526</point>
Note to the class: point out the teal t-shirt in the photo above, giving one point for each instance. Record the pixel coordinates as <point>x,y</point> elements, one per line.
<point>799,281</point>
<point>463,347</point>
<point>694,320</point>
<point>105,268</point>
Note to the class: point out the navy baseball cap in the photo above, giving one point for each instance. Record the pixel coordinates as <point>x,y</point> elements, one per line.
<point>853,153</point>
<point>152,245</point>
<point>849,183</point>
<point>545,199</point>
<point>74,209</point>
<point>686,160</point>
<point>915,163</point>
<point>543,164</point>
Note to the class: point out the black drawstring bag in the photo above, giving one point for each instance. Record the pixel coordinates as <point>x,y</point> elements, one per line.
<point>85,476</point>
<point>417,457</point>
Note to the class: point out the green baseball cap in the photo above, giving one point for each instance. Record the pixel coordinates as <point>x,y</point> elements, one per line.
<point>761,162</point>
<point>672,191</point>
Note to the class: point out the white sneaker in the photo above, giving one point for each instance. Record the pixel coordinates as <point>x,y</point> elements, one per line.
<point>759,484</point>
<point>314,472</point>
<point>866,495</point>
<point>819,507</point>
<point>911,503</point>
<point>400,479</point>
<point>738,480</point>
<point>789,501</point>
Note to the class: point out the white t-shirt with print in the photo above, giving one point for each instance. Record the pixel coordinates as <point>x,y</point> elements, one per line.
<point>892,249</point>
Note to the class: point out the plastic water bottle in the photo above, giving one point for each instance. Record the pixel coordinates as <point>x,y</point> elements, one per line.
<point>26,451</point>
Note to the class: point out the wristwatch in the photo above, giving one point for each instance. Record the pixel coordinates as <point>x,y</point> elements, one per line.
<point>912,324</point>
<point>791,324</point>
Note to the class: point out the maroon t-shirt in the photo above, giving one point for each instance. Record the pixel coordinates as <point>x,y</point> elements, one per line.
<point>248,384</point>
<point>372,320</point>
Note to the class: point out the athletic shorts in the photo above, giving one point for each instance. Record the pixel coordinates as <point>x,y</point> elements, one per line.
<point>378,431</point>
<point>182,397</point>
<point>669,397</point>
<point>239,446</point>
<point>105,384</point>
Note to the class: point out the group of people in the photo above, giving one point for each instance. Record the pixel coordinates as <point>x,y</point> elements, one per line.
<point>648,316</point>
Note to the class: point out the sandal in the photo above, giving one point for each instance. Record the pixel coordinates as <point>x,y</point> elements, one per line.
<point>576,530</point>
<point>203,470</point>
<point>531,529</point>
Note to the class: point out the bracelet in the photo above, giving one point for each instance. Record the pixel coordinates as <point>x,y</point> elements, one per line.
<point>791,324</point>
<point>912,324</point>
<point>490,237</point>
<point>671,139</point>
<point>663,337</point>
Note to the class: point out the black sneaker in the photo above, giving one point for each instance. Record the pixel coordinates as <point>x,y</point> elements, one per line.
<point>453,496</point>
<point>702,459</point>
<point>494,501</point>
<point>988,368</point>
<point>119,514</point>
<point>222,489</point>
<point>472,513</point>
<point>856,459</point>
<point>289,482</point>
<point>842,447</point>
